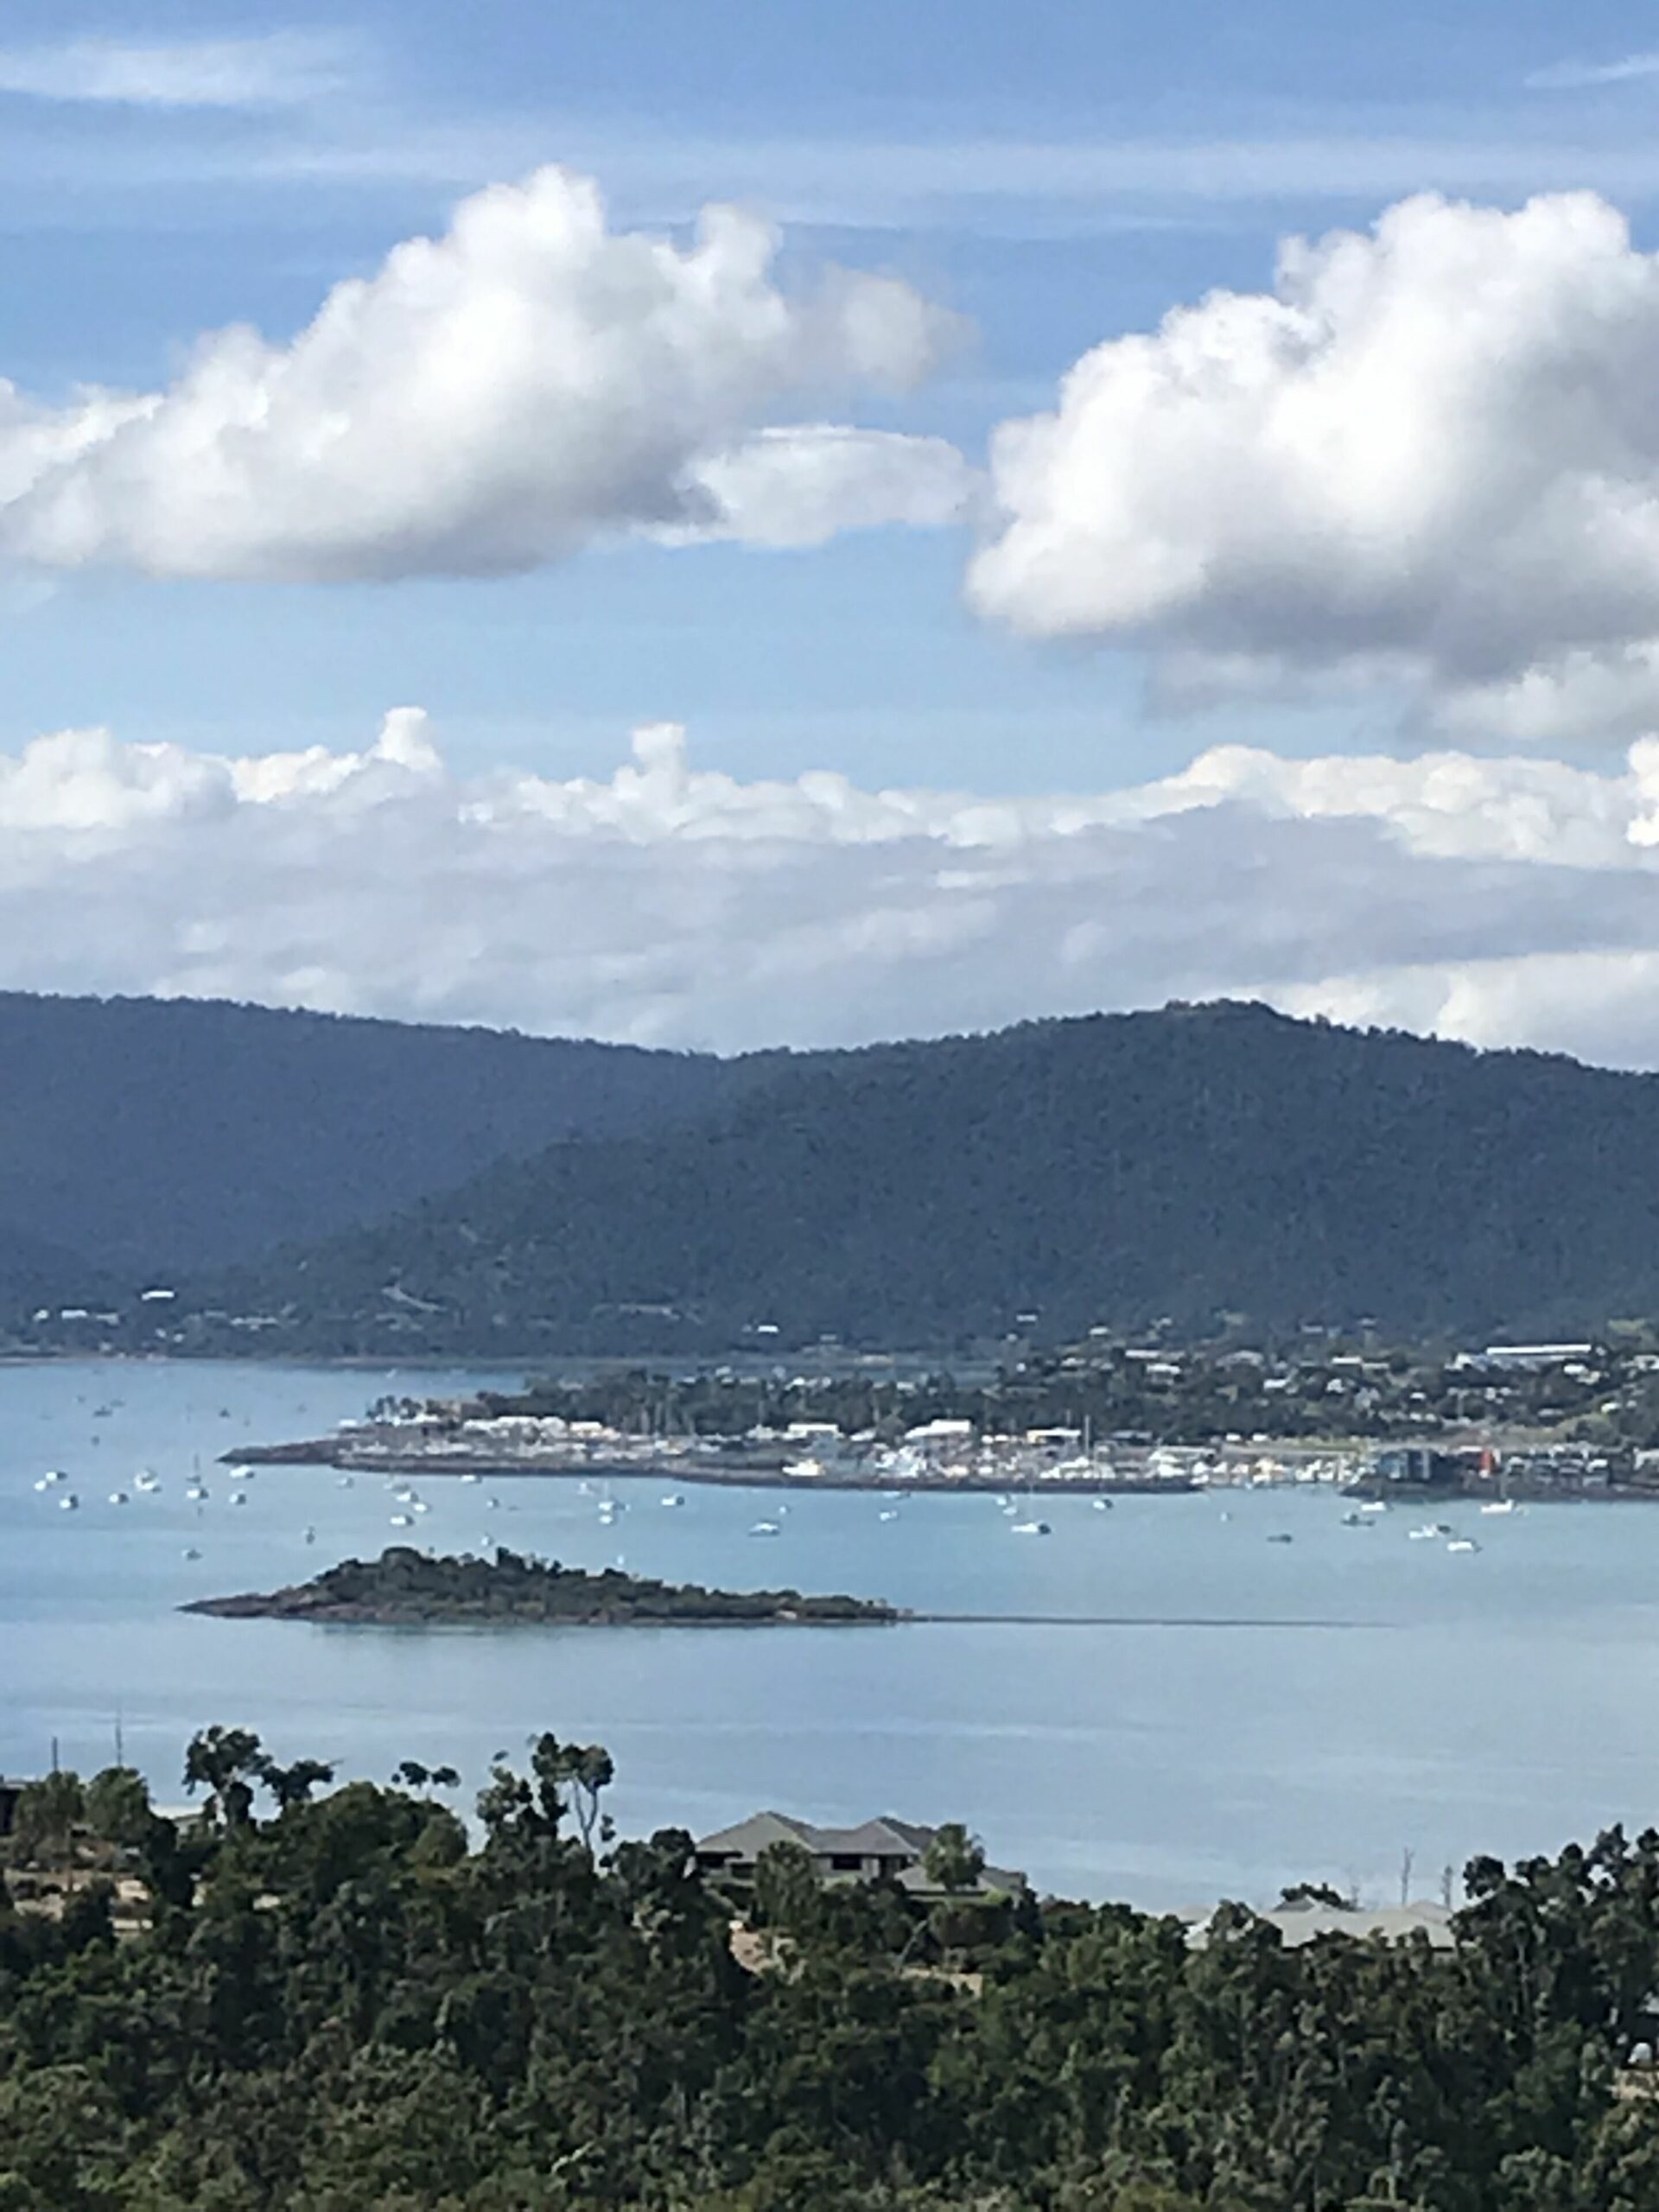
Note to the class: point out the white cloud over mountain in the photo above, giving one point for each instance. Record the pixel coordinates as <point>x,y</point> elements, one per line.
<point>1430,454</point>
<point>492,399</point>
<point>1503,901</point>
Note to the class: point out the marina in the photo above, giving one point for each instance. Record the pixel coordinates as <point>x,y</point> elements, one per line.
<point>959,1460</point>
<point>1158,1701</point>
<point>1497,1466</point>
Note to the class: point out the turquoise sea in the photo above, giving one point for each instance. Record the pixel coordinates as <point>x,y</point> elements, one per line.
<point>1261,1712</point>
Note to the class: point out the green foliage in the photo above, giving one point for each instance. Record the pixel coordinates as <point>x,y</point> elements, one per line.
<point>1195,1163</point>
<point>414,1775</point>
<point>117,1808</point>
<point>48,1811</point>
<point>225,1762</point>
<point>293,1785</point>
<point>348,2008</point>
<point>149,1136</point>
<point>954,1859</point>
<point>787,1900</point>
<point>405,1584</point>
<point>1309,1384</point>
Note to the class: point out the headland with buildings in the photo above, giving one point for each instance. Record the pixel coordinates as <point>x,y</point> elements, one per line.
<point>1509,1420</point>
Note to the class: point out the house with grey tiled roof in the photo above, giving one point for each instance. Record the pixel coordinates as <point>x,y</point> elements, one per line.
<point>1304,1920</point>
<point>880,1850</point>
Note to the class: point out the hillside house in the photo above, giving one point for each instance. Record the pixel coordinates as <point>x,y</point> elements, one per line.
<point>878,1850</point>
<point>1306,1920</point>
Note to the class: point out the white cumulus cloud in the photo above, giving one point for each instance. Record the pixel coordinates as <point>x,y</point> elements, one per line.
<point>1430,454</point>
<point>492,399</point>
<point>1501,901</point>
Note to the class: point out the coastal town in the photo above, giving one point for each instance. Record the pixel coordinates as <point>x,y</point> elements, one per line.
<point>1508,1421</point>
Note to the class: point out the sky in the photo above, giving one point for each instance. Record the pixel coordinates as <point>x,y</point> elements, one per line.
<point>793,522</point>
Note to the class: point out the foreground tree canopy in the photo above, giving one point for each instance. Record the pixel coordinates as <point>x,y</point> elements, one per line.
<point>343,2003</point>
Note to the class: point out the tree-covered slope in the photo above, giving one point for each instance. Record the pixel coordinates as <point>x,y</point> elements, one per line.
<point>349,2002</point>
<point>1189,1162</point>
<point>146,1134</point>
<point>32,1269</point>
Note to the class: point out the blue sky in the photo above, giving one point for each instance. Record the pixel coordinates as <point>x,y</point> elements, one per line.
<point>1073,594</point>
<point>1060,174</point>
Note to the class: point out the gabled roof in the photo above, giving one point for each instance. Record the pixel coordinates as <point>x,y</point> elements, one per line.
<point>918,1838</point>
<point>748,1838</point>
<point>878,1838</point>
<point>884,1838</point>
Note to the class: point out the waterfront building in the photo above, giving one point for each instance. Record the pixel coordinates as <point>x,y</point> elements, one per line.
<point>1534,1359</point>
<point>1413,1467</point>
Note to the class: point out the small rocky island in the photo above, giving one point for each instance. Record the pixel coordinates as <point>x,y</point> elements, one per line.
<point>407,1588</point>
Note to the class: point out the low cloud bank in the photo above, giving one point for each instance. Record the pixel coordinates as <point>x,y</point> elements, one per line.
<point>1507,902</point>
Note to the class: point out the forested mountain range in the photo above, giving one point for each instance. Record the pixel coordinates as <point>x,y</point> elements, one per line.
<point>372,1185</point>
<point>149,1136</point>
<point>1194,1163</point>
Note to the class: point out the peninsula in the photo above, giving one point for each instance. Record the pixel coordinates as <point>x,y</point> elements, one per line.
<point>407,1588</point>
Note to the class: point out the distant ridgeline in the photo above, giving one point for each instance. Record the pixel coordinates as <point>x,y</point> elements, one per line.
<point>405,1587</point>
<point>140,1138</point>
<point>1207,1165</point>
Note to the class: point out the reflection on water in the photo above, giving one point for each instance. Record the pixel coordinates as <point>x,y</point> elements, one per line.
<point>1259,1713</point>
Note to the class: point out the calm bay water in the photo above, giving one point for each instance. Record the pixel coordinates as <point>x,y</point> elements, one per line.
<point>1266,1712</point>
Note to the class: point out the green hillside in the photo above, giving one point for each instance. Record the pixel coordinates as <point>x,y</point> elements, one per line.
<point>1189,1163</point>
<point>145,1136</point>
